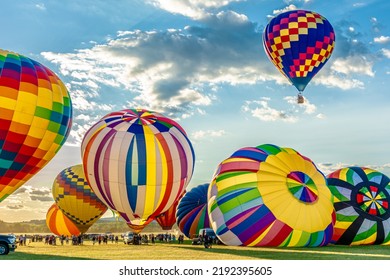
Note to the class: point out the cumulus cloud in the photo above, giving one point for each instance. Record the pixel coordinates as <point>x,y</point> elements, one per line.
<point>178,71</point>
<point>201,134</point>
<point>263,110</point>
<point>195,9</point>
<point>382,39</point>
<point>386,52</point>
<point>328,168</point>
<point>353,65</point>
<point>290,7</point>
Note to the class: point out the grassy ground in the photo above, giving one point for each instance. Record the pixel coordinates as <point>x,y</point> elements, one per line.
<point>186,251</point>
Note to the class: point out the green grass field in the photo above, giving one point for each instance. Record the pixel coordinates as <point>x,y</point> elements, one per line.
<point>186,251</point>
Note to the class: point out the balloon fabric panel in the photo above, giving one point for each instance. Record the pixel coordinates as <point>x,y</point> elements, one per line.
<point>35,119</point>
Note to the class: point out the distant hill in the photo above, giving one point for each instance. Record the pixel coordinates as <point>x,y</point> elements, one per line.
<point>101,226</point>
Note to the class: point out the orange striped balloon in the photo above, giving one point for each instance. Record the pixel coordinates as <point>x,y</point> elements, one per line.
<point>59,224</point>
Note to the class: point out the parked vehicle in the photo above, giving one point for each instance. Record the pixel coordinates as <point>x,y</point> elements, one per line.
<point>200,238</point>
<point>128,238</point>
<point>7,243</point>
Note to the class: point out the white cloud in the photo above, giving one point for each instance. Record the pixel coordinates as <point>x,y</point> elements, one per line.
<point>40,6</point>
<point>353,65</point>
<point>195,9</point>
<point>260,109</point>
<point>382,39</point>
<point>290,7</point>
<point>386,52</point>
<point>328,168</point>
<point>201,134</point>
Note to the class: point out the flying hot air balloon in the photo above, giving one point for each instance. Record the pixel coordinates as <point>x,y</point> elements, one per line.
<point>138,162</point>
<point>270,196</point>
<point>35,119</point>
<point>299,43</point>
<point>76,199</point>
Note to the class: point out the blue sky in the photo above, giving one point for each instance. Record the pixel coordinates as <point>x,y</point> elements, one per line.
<point>203,64</point>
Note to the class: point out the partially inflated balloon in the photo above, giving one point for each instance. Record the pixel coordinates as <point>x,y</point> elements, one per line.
<point>76,199</point>
<point>167,219</point>
<point>59,224</point>
<point>192,214</point>
<point>362,198</point>
<point>138,162</point>
<point>299,43</point>
<point>35,119</point>
<point>270,196</point>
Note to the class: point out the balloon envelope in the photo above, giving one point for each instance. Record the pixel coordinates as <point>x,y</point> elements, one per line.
<point>35,119</point>
<point>361,200</point>
<point>76,199</point>
<point>270,196</point>
<point>299,43</point>
<point>191,213</point>
<point>138,162</point>
<point>59,224</point>
<point>167,219</point>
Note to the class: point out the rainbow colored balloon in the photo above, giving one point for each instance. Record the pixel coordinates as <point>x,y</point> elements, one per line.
<point>76,199</point>
<point>59,224</point>
<point>191,213</point>
<point>270,196</point>
<point>138,163</point>
<point>35,119</point>
<point>362,198</point>
<point>299,43</point>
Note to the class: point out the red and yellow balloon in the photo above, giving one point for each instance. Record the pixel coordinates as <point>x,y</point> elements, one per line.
<point>59,224</point>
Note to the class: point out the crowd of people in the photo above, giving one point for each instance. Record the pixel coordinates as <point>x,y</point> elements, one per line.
<point>138,239</point>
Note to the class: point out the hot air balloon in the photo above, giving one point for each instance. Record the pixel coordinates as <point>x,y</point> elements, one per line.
<point>138,163</point>
<point>76,199</point>
<point>270,196</point>
<point>59,224</point>
<point>191,213</point>
<point>361,200</point>
<point>35,119</point>
<point>299,43</point>
<point>167,219</point>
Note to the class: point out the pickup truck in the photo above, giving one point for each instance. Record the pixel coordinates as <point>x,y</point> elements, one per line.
<point>7,243</point>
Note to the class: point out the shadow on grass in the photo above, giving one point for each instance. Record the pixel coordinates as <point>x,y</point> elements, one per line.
<point>27,256</point>
<point>292,254</point>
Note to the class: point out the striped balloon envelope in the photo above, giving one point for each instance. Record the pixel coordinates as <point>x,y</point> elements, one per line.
<point>59,224</point>
<point>138,163</point>
<point>362,198</point>
<point>76,199</point>
<point>299,43</point>
<point>191,213</point>
<point>35,119</point>
<point>270,196</point>
<point>168,219</point>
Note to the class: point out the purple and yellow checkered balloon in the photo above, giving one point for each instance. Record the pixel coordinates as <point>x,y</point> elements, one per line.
<point>35,119</point>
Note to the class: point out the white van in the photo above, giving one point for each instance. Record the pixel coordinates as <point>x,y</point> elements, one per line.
<point>128,237</point>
